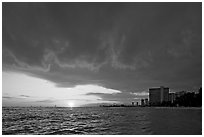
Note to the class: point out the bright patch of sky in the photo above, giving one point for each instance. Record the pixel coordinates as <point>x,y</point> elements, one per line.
<point>24,90</point>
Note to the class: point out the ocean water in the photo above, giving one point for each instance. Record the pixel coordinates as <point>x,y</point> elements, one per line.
<point>101,121</point>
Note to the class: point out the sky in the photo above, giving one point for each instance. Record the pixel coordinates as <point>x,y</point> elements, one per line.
<point>92,53</point>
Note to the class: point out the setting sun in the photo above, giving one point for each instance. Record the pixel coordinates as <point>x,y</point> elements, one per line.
<point>70,104</point>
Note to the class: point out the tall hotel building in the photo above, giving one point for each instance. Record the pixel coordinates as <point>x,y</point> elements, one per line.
<point>158,95</point>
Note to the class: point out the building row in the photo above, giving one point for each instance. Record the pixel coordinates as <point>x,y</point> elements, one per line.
<point>160,95</point>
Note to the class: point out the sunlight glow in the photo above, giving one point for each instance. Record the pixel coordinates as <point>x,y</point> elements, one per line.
<point>71,104</point>
<point>24,90</point>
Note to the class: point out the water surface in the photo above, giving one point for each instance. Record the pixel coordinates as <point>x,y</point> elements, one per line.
<point>101,120</point>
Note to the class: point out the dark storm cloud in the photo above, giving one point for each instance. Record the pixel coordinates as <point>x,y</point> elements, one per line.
<point>124,46</point>
<point>7,97</point>
<point>17,97</point>
<point>26,96</point>
<point>46,101</point>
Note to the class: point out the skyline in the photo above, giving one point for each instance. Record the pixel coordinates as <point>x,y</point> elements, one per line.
<point>87,53</point>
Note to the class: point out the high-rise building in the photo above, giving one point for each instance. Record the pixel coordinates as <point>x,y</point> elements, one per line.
<point>142,102</point>
<point>158,95</point>
<point>133,103</point>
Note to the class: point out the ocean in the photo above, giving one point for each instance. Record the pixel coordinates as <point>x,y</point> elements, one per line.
<point>101,121</point>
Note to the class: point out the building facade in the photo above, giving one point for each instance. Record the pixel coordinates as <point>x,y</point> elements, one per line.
<point>172,97</point>
<point>158,95</point>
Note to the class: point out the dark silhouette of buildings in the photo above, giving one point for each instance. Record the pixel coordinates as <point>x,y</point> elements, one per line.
<point>142,102</point>
<point>190,99</point>
<point>133,103</point>
<point>146,102</point>
<point>172,97</point>
<point>162,97</point>
<point>158,95</point>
